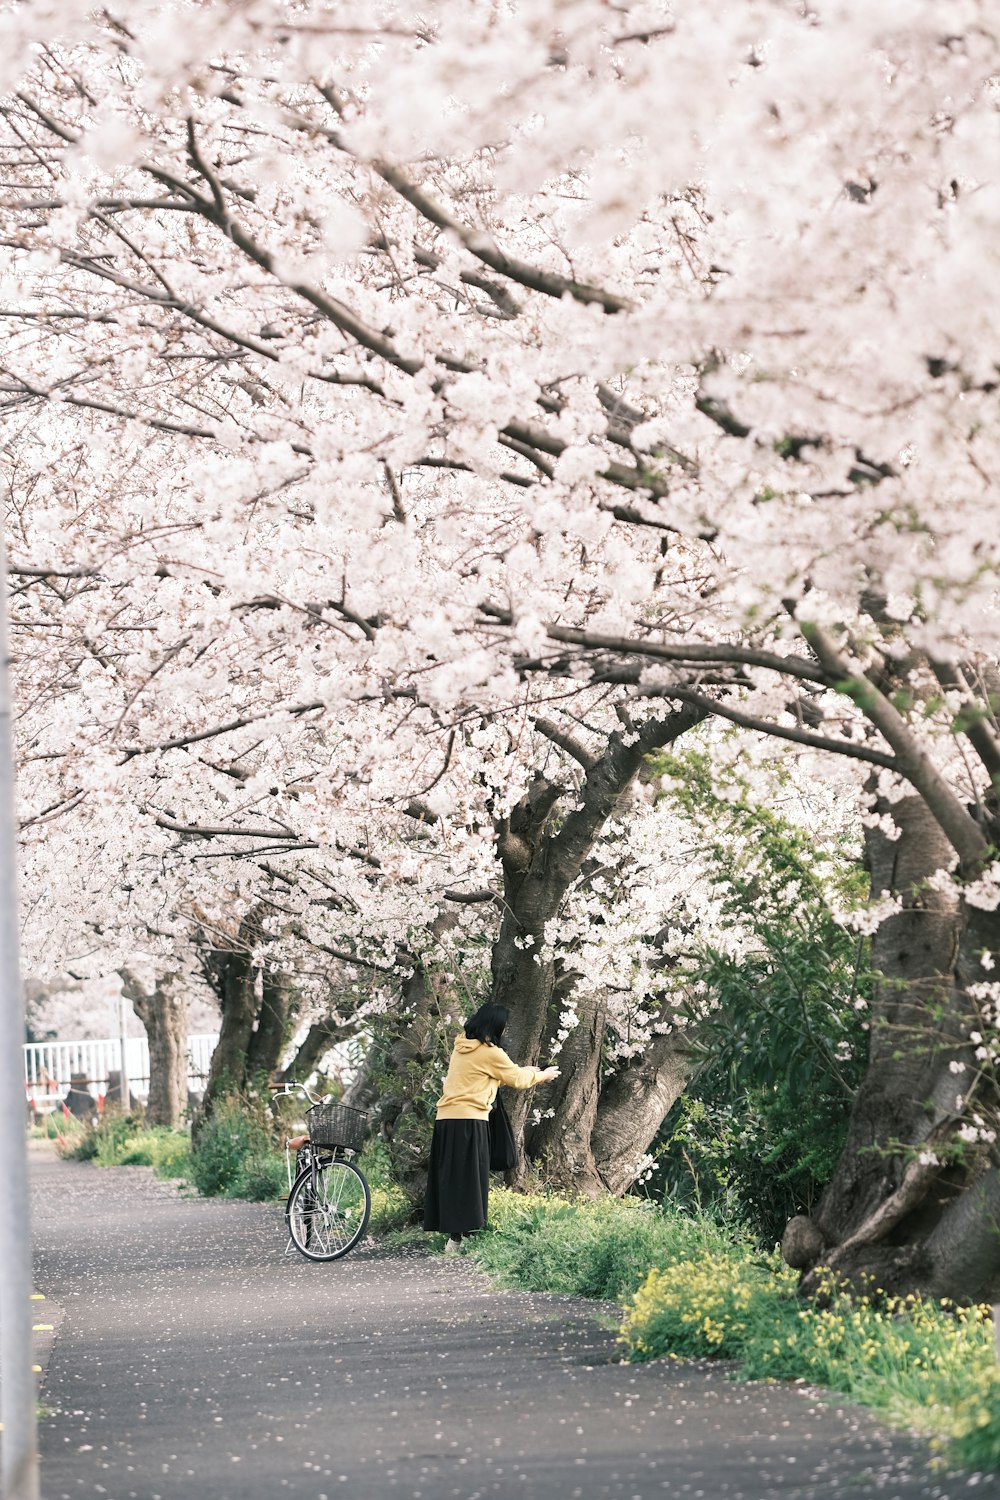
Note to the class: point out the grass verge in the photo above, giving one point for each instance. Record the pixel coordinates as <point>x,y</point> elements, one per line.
<point>689,1288</point>
<point>124,1141</point>
<point>236,1157</point>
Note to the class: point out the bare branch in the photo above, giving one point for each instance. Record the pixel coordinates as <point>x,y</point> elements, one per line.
<point>217,729</point>
<point>912,760</point>
<point>207,831</point>
<point>723,710</point>
<point>566,742</point>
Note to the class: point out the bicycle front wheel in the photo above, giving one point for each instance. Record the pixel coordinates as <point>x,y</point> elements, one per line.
<point>328,1218</point>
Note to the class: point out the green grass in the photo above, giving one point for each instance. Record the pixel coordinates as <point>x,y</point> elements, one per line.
<point>124,1141</point>
<point>927,1365</point>
<point>594,1248</point>
<point>689,1288</point>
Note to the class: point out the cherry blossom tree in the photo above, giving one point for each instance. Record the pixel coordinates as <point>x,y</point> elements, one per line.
<point>375,382</point>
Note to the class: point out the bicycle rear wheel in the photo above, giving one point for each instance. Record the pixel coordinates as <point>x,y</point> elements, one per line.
<point>328,1220</point>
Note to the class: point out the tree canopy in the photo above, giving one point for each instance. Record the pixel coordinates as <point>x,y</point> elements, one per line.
<point>412,419</point>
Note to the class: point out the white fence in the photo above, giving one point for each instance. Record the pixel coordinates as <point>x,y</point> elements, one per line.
<point>48,1063</point>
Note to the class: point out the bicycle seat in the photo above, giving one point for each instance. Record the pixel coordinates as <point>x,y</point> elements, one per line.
<point>296,1141</point>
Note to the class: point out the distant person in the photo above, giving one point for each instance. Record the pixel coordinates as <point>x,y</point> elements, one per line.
<point>459,1177</point>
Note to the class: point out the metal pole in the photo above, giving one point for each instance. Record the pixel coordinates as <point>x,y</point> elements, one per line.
<point>123,1033</point>
<point>19,1440</point>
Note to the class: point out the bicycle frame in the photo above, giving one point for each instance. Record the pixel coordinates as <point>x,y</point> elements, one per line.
<point>307,1165</point>
<point>304,1154</point>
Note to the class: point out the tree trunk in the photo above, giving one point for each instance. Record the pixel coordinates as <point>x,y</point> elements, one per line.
<point>540,863</point>
<point>164,1015</point>
<point>634,1103</point>
<point>910,1206</point>
<point>233,974</point>
<point>270,1033</point>
<point>560,1143</point>
<point>398,1082</point>
<point>321,1036</point>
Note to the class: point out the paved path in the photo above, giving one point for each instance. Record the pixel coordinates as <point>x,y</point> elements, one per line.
<point>192,1359</point>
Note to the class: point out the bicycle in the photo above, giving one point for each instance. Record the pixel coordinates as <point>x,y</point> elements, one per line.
<point>329,1201</point>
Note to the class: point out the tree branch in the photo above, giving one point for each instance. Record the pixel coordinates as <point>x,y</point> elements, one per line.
<point>912,761</point>
<point>566,742</point>
<point>780,731</point>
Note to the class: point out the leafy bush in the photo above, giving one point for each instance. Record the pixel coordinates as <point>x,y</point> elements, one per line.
<point>171,1152</point>
<point>78,1145</point>
<point>706,1307</point>
<point>261,1178</point>
<point>233,1140</point>
<point>784,1039</point>
<point>123,1141</point>
<point>167,1151</point>
<point>113,1134</point>
<point>593,1248</point>
<point>102,1142</point>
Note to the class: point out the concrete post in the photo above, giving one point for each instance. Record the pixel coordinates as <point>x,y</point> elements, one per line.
<point>19,1441</point>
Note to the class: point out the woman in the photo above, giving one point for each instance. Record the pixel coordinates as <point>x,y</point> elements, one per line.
<point>459,1177</point>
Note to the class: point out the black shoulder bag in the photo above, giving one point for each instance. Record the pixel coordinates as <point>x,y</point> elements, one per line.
<point>503,1151</point>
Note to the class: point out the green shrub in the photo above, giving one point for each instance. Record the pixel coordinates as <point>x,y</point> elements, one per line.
<point>598,1247</point>
<point>783,1047</point>
<point>171,1152</point>
<point>136,1151</point>
<point>260,1178</point>
<point>103,1142</point>
<point>167,1151</point>
<point>123,1141</point>
<point>80,1145</point>
<point>234,1134</point>
<point>706,1307</point>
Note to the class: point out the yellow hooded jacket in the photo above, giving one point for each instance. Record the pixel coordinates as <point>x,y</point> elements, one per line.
<point>476,1071</point>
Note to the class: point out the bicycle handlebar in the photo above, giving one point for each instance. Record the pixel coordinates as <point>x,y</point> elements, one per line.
<point>290,1090</point>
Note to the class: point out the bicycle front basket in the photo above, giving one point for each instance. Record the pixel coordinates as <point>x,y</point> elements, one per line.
<point>332,1124</point>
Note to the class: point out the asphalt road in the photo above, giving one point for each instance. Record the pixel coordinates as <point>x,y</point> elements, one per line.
<point>188,1356</point>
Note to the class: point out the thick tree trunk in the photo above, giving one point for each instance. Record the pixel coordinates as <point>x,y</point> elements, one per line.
<point>911,1206</point>
<point>534,885</point>
<point>398,1083</point>
<point>560,1143</point>
<point>321,1036</point>
<point>267,1040</point>
<point>164,1015</point>
<point>633,1105</point>
<point>540,863</point>
<point>234,975</point>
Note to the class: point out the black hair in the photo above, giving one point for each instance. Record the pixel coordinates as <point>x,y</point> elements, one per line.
<point>487,1024</point>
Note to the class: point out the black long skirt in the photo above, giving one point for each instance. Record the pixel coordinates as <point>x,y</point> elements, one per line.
<point>458,1182</point>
